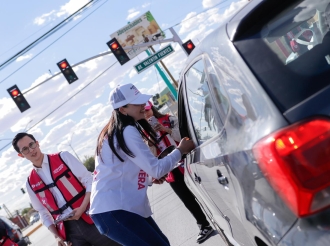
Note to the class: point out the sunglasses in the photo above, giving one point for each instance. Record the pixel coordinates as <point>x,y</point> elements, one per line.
<point>25,150</point>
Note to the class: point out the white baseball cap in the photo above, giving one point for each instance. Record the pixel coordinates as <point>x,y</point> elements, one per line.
<point>127,94</point>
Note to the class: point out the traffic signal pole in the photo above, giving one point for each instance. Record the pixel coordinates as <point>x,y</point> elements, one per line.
<point>167,71</point>
<point>166,80</point>
<point>175,38</point>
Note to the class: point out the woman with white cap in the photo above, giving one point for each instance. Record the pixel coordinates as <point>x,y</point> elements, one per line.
<point>119,204</point>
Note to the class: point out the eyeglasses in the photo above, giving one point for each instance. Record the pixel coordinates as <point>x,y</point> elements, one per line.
<point>26,150</point>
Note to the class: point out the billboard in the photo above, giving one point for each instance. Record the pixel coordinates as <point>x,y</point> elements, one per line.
<point>141,30</point>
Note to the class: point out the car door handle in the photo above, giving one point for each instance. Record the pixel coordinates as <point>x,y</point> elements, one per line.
<point>222,179</point>
<point>197,178</point>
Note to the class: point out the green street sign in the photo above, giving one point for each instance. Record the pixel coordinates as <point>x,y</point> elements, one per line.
<point>154,58</point>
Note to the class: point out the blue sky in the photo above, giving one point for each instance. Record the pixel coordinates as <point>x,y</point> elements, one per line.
<point>80,119</point>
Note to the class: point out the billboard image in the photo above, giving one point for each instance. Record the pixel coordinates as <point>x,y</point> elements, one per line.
<point>142,29</point>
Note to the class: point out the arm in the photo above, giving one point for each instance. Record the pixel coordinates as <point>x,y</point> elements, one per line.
<point>45,216</point>
<point>173,131</point>
<point>79,211</point>
<point>84,176</point>
<point>60,241</point>
<point>145,159</point>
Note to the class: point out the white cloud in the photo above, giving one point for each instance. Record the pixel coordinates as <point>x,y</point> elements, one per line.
<point>145,5</point>
<point>210,3</point>
<point>210,17</point>
<point>21,58</point>
<point>44,17</point>
<point>65,10</point>
<point>132,13</point>
<point>71,7</point>
<point>132,73</point>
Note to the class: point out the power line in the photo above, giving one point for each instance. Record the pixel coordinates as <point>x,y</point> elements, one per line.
<point>51,31</point>
<point>66,101</point>
<point>50,44</point>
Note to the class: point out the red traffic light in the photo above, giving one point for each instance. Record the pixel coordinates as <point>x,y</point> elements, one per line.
<point>118,51</point>
<point>188,46</point>
<point>14,93</point>
<point>63,65</point>
<point>114,45</point>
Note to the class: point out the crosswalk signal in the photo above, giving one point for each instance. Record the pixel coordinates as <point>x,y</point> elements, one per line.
<point>18,98</point>
<point>118,51</point>
<point>188,46</point>
<point>67,71</point>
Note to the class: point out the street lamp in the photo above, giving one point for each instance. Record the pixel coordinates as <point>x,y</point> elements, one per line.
<point>70,145</point>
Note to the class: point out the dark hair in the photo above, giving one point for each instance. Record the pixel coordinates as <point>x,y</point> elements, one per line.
<point>18,137</point>
<point>116,126</point>
<point>156,113</point>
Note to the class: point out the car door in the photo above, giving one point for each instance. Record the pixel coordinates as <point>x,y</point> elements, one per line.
<point>207,129</point>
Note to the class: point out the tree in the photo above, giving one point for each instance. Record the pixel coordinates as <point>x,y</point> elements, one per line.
<point>89,163</point>
<point>25,211</point>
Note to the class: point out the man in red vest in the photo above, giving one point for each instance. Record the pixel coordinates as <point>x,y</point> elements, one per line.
<point>59,189</point>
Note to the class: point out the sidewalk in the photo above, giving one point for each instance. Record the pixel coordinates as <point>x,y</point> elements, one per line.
<point>29,230</point>
<point>175,220</point>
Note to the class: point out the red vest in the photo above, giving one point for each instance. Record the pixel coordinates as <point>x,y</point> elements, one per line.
<point>5,241</point>
<point>70,187</point>
<point>165,121</point>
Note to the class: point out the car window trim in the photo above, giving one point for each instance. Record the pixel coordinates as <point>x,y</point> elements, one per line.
<point>189,117</point>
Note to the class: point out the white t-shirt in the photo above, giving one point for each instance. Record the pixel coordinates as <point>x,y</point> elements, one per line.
<point>123,185</point>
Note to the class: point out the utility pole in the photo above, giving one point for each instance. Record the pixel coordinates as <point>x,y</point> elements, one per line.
<point>167,71</point>
<point>7,211</point>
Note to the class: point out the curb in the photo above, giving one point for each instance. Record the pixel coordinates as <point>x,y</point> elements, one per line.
<point>33,230</point>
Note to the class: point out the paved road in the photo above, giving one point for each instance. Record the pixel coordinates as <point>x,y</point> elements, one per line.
<point>170,214</point>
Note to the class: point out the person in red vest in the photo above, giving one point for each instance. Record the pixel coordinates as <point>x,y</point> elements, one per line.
<point>59,188</point>
<point>4,238</point>
<point>169,134</point>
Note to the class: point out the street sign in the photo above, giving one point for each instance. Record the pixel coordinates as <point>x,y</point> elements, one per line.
<point>154,58</point>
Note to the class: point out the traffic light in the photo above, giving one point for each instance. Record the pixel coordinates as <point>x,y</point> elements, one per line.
<point>18,98</point>
<point>67,71</point>
<point>188,46</point>
<point>23,191</point>
<point>118,51</point>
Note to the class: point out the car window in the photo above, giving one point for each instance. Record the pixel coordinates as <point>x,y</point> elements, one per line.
<point>289,51</point>
<point>219,93</point>
<point>201,107</point>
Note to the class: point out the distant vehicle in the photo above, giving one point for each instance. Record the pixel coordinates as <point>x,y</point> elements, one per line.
<point>14,232</point>
<point>34,218</point>
<point>261,124</point>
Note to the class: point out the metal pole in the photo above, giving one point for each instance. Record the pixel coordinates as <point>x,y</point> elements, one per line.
<point>177,39</point>
<point>167,71</point>
<point>74,152</point>
<point>166,80</point>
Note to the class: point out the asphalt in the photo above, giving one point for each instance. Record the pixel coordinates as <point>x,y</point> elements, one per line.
<point>170,214</point>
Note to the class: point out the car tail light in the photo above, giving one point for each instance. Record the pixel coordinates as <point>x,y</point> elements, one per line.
<point>296,162</point>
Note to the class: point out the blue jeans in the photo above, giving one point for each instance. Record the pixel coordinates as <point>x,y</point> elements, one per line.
<point>129,229</point>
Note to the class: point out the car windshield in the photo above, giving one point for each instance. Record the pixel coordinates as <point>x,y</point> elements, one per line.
<point>298,30</point>
<point>290,53</point>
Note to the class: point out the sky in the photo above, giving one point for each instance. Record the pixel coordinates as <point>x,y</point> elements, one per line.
<point>76,124</point>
